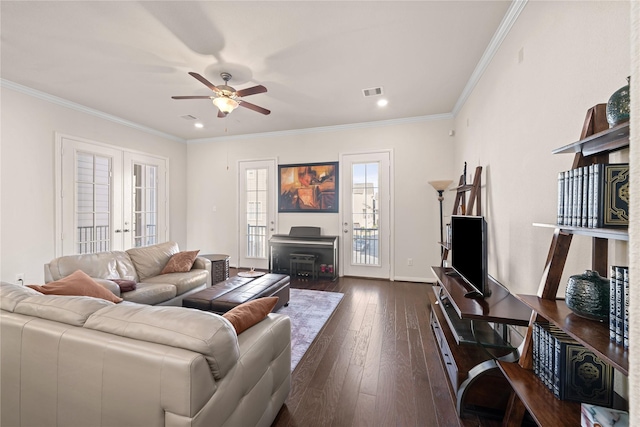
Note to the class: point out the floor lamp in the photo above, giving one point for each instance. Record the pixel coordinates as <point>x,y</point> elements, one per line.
<point>440,186</point>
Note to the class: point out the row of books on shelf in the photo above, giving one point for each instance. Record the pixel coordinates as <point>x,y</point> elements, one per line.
<point>619,305</point>
<point>570,370</point>
<point>594,196</point>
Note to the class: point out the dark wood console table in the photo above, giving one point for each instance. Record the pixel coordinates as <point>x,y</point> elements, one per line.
<point>469,345</point>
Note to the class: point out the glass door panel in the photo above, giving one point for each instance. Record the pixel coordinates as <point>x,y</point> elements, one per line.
<point>93,203</point>
<point>257,207</point>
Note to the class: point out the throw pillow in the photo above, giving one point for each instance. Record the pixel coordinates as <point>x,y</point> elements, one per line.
<point>250,313</point>
<point>125,284</point>
<point>77,283</point>
<point>180,262</point>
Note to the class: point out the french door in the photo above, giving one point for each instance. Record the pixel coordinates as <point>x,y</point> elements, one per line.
<point>144,201</point>
<point>257,212</point>
<point>366,214</point>
<point>107,198</point>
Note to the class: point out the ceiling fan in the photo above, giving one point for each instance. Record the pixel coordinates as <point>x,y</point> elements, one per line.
<point>227,98</point>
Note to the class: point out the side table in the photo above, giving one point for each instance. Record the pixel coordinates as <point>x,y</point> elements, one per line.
<point>219,267</point>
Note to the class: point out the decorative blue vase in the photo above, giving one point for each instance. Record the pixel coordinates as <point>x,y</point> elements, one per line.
<point>587,295</point>
<point>619,105</point>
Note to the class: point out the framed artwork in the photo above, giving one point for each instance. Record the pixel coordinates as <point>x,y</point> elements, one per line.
<point>308,187</point>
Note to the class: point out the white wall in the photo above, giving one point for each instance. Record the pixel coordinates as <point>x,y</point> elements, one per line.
<point>575,55</point>
<point>27,176</point>
<point>422,150</point>
<point>634,227</point>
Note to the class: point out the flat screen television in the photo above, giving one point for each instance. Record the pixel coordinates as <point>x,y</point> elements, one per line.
<point>469,252</point>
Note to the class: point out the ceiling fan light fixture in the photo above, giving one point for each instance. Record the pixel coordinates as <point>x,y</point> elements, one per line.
<point>224,104</point>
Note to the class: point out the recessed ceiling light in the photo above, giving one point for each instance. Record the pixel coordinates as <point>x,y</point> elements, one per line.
<point>382,102</point>
<point>199,125</point>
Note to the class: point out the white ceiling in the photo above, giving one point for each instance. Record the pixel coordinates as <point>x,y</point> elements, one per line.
<point>127,59</point>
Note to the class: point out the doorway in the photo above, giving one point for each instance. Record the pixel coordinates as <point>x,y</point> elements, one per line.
<point>366,214</point>
<point>257,207</point>
<point>107,198</point>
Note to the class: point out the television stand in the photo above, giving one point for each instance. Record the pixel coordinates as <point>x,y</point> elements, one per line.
<point>469,346</point>
<point>473,293</point>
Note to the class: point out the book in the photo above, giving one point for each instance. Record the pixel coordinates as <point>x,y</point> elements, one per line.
<point>575,185</point>
<point>619,279</point>
<point>561,198</point>
<point>567,198</point>
<point>587,378</point>
<point>625,282</point>
<point>536,352</point>
<point>578,197</point>
<point>584,203</point>
<point>591,197</point>
<point>544,355</point>
<point>612,303</point>
<point>611,201</point>
<point>595,196</point>
<point>593,415</point>
<point>560,341</point>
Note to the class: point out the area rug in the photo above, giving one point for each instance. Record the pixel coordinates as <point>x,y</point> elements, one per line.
<point>309,310</point>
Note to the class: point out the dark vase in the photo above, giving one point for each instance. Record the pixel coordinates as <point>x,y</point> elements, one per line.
<point>618,106</point>
<point>587,295</point>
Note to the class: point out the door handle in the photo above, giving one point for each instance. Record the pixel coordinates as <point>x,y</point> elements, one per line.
<point>126,230</point>
<point>118,231</point>
<point>346,231</point>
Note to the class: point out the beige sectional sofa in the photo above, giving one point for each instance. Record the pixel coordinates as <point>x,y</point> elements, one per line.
<point>143,265</point>
<point>83,361</point>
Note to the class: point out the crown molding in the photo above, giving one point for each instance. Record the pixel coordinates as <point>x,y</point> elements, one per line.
<point>74,106</point>
<point>507,22</point>
<point>335,128</point>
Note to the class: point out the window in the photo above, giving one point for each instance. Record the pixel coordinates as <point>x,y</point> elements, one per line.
<point>145,205</point>
<point>93,205</point>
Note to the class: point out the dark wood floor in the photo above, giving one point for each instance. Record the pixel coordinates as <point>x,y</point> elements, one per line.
<point>375,363</point>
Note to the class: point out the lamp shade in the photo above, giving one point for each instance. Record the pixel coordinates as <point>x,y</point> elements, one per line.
<point>225,104</point>
<point>441,185</point>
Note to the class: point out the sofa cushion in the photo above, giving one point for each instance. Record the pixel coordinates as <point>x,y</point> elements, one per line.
<point>183,282</point>
<point>151,293</point>
<point>77,283</point>
<point>180,262</point>
<point>103,265</point>
<point>150,260</point>
<point>11,295</point>
<point>195,330</point>
<point>72,310</point>
<point>250,313</point>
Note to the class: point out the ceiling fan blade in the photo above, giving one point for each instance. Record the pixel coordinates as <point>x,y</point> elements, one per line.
<point>251,91</point>
<point>205,82</point>
<point>221,114</point>
<point>254,107</point>
<point>192,97</point>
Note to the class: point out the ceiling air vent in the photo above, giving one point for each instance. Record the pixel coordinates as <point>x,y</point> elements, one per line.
<point>188,117</point>
<point>375,91</point>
